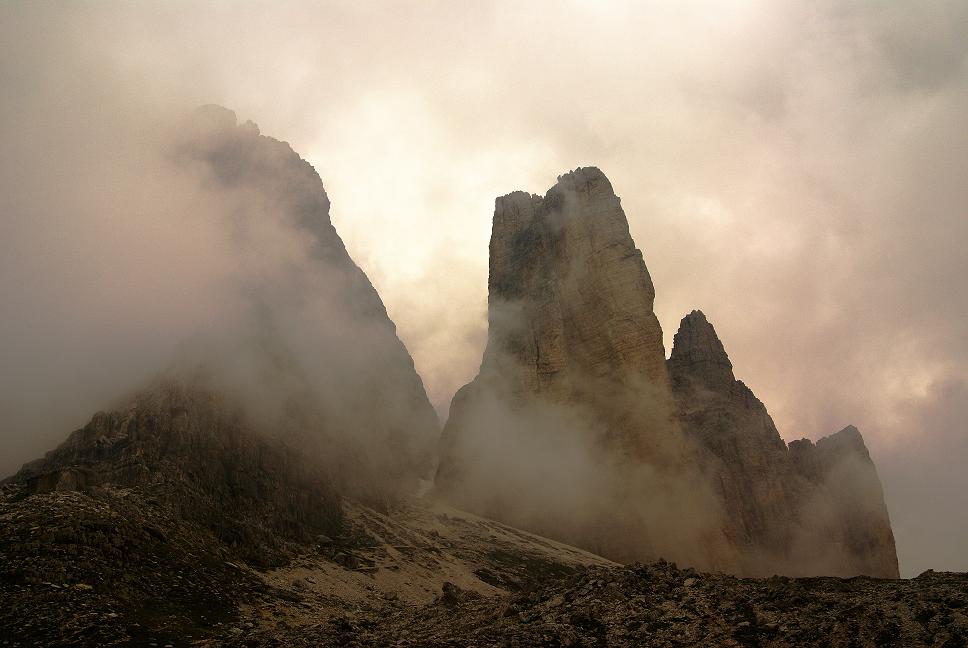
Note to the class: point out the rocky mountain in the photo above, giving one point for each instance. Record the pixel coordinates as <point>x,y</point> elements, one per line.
<point>245,445</point>
<point>574,373</point>
<point>309,394</point>
<point>574,379</point>
<point>259,491</point>
<point>314,352</point>
<point>809,509</point>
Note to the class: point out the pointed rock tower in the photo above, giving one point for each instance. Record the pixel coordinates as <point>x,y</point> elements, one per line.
<point>569,428</point>
<point>578,428</point>
<point>803,511</point>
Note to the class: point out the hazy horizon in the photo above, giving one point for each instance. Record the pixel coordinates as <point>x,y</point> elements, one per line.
<point>794,171</point>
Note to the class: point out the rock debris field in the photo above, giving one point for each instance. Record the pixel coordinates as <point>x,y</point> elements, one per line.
<point>109,568</point>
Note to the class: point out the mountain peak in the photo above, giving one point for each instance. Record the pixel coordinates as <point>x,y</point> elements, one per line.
<point>216,116</point>
<point>697,347</point>
<point>847,441</point>
<point>584,178</point>
<point>574,361</point>
<point>572,248</point>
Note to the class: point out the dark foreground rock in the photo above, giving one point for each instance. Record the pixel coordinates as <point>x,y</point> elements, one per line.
<point>111,566</point>
<point>660,605</point>
<point>119,566</point>
<point>191,450</point>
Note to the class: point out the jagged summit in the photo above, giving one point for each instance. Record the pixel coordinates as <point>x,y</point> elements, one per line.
<point>580,179</point>
<point>849,437</point>
<point>697,347</point>
<point>584,179</point>
<point>800,510</point>
<point>567,262</point>
<point>215,117</point>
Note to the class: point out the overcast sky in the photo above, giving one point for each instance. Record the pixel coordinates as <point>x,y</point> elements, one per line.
<point>797,170</point>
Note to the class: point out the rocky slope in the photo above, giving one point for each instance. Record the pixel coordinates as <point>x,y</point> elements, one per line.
<point>663,606</point>
<point>112,566</point>
<point>574,374</point>
<point>574,379</point>
<point>194,452</point>
<point>123,566</point>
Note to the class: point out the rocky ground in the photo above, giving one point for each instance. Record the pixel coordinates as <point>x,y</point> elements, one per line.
<point>113,567</point>
<point>660,605</point>
<point>106,567</point>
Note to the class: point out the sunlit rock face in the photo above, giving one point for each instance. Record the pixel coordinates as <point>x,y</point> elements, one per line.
<point>578,427</point>
<point>569,293</point>
<point>807,510</point>
<point>569,428</point>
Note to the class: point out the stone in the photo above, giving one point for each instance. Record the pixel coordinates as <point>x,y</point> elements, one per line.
<point>574,375</point>
<point>575,404</point>
<point>359,375</point>
<point>801,510</point>
<point>260,473</point>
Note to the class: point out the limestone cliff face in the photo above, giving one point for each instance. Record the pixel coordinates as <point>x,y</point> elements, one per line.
<point>570,309</point>
<point>569,293</point>
<point>807,510</point>
<point>577,427</point>
<point>747,458</point>
<point>574,375</point>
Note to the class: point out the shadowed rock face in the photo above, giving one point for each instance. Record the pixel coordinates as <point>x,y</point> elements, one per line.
<point>807,510</point>
<point>309,395</point>
<point>846,481</point>
<point>574,375</point>
<point>327,352</point>
<point>194,451</point>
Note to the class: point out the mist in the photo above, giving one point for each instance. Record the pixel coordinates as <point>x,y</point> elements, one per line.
<point>148,243</point>
<point>794,170</point>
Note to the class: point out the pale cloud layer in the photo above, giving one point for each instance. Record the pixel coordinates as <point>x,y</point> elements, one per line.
<point>796,170</point>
